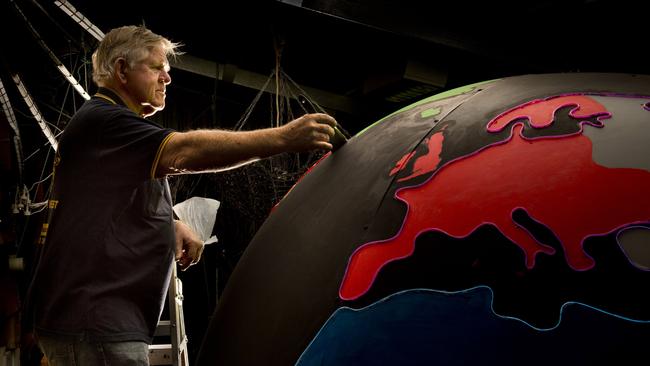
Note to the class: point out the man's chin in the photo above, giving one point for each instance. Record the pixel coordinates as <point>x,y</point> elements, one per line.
<point>150,109</point>
<point>156,106</point>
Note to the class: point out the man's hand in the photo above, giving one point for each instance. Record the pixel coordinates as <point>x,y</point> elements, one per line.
<point>311,131</point>
<point>188,245</point>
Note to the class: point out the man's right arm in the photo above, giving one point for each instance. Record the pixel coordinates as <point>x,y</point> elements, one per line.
<point>218,150</point>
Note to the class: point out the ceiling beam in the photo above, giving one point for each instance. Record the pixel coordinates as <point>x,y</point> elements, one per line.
<point>232,74</point>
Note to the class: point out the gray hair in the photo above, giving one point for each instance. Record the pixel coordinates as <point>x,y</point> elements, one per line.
<point>133,43</point>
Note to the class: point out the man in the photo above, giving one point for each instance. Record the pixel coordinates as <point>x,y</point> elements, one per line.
<point>111,239</point>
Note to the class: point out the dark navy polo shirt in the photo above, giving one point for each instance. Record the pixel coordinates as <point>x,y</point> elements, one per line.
<point>109,244</point>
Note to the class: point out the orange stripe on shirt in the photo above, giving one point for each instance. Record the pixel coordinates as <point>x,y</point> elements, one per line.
<point>164,142</point>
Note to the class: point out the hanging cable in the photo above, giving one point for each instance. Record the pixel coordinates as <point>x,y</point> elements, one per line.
<point>67,35</point>
<point>242,121</point>
<point>278,56</point>
<point>74,102</point>
<point>32,117</point>
<point>59,65</point>
<point>303,98</point>
<point>39,182</point>
<point>40,206</point>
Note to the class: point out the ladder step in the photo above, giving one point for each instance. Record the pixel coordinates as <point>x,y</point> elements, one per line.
<point>160,354</point>
<point>163,328</point>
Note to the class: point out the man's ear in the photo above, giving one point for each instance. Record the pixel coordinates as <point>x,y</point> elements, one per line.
<point>120,69</point>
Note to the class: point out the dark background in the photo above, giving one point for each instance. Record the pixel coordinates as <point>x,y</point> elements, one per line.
<point>358,60</point>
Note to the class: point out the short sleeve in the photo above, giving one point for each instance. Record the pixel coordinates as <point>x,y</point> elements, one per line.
<point>131,147</point>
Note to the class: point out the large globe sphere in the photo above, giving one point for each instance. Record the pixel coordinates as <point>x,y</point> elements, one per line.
<point>505,222</point>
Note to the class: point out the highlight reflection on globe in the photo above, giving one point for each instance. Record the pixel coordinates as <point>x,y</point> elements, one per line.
<point>506,222</point>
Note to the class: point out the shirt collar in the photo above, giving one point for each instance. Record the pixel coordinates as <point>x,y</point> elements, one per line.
<point>110,96</point>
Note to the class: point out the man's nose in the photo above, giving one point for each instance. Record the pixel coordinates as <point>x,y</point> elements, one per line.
<point>166,79</point>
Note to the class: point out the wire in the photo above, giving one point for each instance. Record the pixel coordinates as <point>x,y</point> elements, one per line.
<point>41,210</point>
<point>42,146</point>
<point>315,106</point>
<point>242,121</point>
<point>68,36</point>
<point>59,65</point>
<point>34,118</point>
<point>40,181</point>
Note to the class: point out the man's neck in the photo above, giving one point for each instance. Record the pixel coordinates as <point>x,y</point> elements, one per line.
<point>124,95</point>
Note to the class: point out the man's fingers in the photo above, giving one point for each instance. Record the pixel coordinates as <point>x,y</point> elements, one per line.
<point>321,137</point>
<point>184,263</point>
<point>324,145</point>
<point>192,255</point>
<point>323,119</point>
<point>325,129</point>
<point>196,251</point>
<point>188,260</point>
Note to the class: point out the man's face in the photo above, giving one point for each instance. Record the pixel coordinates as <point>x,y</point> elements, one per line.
<point>148,78</point>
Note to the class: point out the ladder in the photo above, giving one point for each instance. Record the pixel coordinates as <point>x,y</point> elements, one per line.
<point>174,353</point>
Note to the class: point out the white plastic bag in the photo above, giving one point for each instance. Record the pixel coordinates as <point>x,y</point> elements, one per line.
<point>199,214</point>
